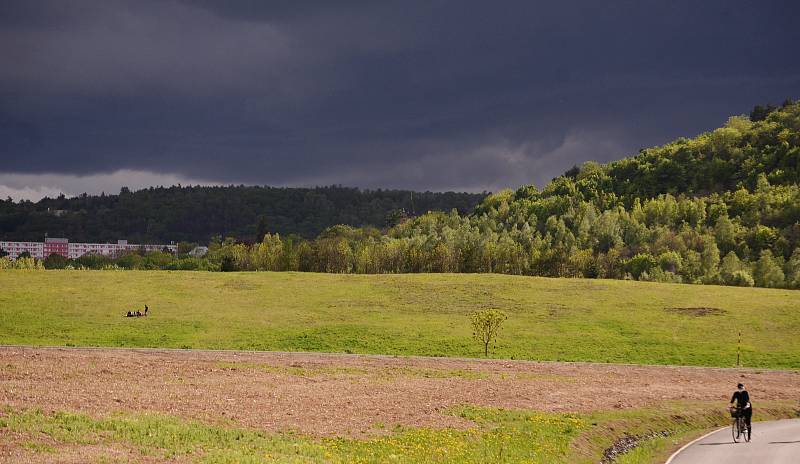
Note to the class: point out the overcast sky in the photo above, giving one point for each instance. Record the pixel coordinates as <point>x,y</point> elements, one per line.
<point>432,95</point>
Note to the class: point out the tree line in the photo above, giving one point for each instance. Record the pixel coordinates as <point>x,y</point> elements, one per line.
<point>720,208</point>
<point>197,213</point>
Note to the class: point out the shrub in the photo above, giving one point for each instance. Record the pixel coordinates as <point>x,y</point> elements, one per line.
<point>130,261</point>
<point>641,263</point>
<point>486,326</point>
<point>767,273</point>
<point>93,261</point>
<point>658,275</point>
<point>27,263</point>
<point>55,261</point>
<point>741,279</point>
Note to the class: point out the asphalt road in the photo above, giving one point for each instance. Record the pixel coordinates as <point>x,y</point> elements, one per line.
<point>775,442</point>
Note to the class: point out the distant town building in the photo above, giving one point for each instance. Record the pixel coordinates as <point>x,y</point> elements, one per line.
<point>63,247</point>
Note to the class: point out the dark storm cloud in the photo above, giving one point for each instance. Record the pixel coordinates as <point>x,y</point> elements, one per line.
<point>433,95</point>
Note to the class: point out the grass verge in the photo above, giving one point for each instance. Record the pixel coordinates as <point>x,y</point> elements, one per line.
<point>498,436</point>
<point>656,433</point>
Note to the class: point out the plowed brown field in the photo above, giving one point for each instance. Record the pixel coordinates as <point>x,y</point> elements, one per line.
<point>328,395</point>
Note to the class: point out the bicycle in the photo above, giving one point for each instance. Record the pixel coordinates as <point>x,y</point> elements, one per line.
<point>739,427</point>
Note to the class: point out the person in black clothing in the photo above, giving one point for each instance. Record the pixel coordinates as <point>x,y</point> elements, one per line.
<point>743,406</point>
<point>146,309</point>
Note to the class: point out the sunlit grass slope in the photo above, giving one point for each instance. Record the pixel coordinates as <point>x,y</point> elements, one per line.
<point>497,436</point>
<point>413,314</point>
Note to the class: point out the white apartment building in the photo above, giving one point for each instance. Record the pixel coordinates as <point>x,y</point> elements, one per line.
<point>62,246</point>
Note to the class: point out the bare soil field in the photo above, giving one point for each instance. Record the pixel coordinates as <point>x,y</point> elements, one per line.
<point>331,395</point>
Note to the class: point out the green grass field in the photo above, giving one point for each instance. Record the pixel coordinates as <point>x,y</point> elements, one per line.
<point>501,436</point>
<point>418,314</point>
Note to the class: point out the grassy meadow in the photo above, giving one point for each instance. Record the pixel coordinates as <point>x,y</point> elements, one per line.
<point>412,314</point>
<point>498,435</point>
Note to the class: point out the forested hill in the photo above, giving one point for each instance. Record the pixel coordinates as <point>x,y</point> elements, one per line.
<point>195,214</point>
<point>726,159</point>
<point>723,207</point>
<point>720,208</point>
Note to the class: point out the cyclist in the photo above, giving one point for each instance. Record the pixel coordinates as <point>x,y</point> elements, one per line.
<point>743,406</point>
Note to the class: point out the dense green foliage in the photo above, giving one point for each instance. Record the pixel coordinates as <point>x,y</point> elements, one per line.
<point>27,263</point>
<point>727,159</point>
<point>195,214</point>
<point>721,208</point>
<point>408,314</point>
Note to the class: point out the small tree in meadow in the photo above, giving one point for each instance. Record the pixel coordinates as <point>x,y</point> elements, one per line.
<point>486,325</point>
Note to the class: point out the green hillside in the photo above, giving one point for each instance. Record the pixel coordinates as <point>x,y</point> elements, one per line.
<point>549,319</point>
<point>721,208</point>
<point>726,159</point>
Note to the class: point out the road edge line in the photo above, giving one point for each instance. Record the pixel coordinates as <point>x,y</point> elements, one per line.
<point>692,443</point>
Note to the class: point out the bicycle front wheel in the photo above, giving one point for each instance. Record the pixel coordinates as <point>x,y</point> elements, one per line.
<point>735,432</point>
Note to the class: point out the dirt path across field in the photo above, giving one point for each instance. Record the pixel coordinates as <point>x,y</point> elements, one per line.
<point>325,394</point>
